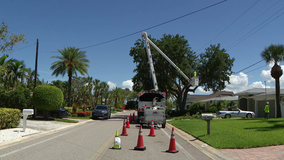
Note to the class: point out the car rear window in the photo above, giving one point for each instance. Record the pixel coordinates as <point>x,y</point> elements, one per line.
<point>102,107</point>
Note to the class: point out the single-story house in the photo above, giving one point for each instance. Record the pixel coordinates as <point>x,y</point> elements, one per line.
<point>217,96</point>
<point>255,100</point>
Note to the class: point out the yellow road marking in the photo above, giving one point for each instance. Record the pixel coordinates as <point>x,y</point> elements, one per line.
<point>99,152</point>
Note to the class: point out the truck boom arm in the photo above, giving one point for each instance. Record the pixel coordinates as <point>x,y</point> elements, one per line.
<point>147,42</point>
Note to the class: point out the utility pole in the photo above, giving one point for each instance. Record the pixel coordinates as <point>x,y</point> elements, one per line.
<point>36,62</point>
<point>34,115</point>
<point>265,91</point>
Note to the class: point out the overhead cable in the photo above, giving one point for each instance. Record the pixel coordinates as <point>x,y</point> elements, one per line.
<point>154,25</point>
<point>228,26</point>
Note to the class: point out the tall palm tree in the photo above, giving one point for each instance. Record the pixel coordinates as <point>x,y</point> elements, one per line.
<point>275,53</point>
<point>103,89</point>
<point>116,95</point>
<point>96,83</point>
<point>71,61</point>
<point>30,75</point>
<point>90,85</point>
<point>17,70</point>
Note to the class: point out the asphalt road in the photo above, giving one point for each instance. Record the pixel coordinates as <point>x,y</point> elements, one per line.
<point>94,139</point>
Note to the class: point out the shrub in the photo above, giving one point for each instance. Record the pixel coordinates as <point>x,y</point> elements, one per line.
<point>10,117</point>
<point>213,109</point>
<point>19,98</point>
<point>47,98</point>
<point>81,114</point>
<point>195,107</point>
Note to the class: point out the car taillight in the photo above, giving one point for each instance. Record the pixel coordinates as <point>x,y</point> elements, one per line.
<point>219,112</point>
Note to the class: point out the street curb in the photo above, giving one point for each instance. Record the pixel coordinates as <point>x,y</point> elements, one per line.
<point>203,147</point>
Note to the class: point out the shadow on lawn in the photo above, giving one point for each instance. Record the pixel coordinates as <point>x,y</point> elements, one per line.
<point>270,128</point>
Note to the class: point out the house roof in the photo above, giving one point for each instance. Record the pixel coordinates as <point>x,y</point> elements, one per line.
<point>254,91</point>
<point>193,98</point>
<point>269,92</point>
<point>223,98</point>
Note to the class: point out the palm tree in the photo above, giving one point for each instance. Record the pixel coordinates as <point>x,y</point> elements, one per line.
<point>71,60</point>
<point>30,75</point>
<point>103,89</point>
<point>89,81</point>
<point>116,95</point>
<point>17,71</point>
<point>275,53</point>
<point>96,83</point>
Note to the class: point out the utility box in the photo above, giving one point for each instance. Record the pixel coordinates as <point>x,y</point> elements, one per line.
<point>26,112</point>
<point>207,117</point>
<point>194,81</point>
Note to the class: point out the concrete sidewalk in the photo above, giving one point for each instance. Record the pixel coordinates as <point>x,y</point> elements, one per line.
<point>33,127</point>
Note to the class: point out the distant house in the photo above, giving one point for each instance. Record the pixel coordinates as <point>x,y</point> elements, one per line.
<point>217,96</point>
<point>255,100</point>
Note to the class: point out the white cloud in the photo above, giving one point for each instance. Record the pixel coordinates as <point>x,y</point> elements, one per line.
<point>111,85</point>
<point>238,83</point>
<point>127,84</point>
<point>265,74</point>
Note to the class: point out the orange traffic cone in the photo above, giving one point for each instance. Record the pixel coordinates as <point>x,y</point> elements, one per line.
<point>172,147</point>
<point>130,118</point>
<point>134,117</point>
<point>152,130</point>
<point>140,143</point>
<point>127,123</point>
<point>124,131</point>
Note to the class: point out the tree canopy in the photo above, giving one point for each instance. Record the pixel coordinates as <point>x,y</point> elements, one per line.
<point>213,67</point>
<point>7,40</point>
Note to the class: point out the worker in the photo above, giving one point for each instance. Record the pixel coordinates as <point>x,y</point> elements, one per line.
<point>266,110</point>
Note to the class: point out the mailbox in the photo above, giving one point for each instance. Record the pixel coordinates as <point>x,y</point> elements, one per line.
<point>207,117</point>
<point>26,112</point>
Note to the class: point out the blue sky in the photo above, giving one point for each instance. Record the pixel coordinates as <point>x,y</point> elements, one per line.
<point>244,28</point>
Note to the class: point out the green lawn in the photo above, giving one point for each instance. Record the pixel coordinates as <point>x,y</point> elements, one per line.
<point>235,133</point>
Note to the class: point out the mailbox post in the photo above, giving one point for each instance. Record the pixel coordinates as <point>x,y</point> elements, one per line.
<point>207,118</point>
<point>26,112</point>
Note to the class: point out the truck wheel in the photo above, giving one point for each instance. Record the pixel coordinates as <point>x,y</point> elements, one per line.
<point>163,125</point>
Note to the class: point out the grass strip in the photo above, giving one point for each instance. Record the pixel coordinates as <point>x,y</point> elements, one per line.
<point>235,133</point>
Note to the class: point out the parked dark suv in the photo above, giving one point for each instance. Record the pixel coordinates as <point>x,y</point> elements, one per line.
<point>57,113</point>
<point>101,111</point>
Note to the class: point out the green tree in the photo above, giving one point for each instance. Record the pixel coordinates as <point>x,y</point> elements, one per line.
<point>17,71</point>
<point>275,53</point>
<point>47,98</point>
<point>116,94</point>
<point>212,77</point>
<point>97,86</point>
<point>7,40</point>
<point>71,61</point>
<point>103,90</point>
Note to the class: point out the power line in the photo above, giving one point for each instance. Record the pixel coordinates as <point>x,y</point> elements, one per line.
<point>256,69</point>
<point>229,25</point>
<point>249,66</point>
<point>24,47</point>
<point>252,21</point>
<point>239,40</point>
<point>155,25</point>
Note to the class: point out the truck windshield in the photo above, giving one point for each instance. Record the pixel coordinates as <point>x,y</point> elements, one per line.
<point>151,96</point>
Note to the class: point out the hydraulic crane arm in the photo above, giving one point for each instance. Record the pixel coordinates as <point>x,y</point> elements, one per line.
<point>147,42</point>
